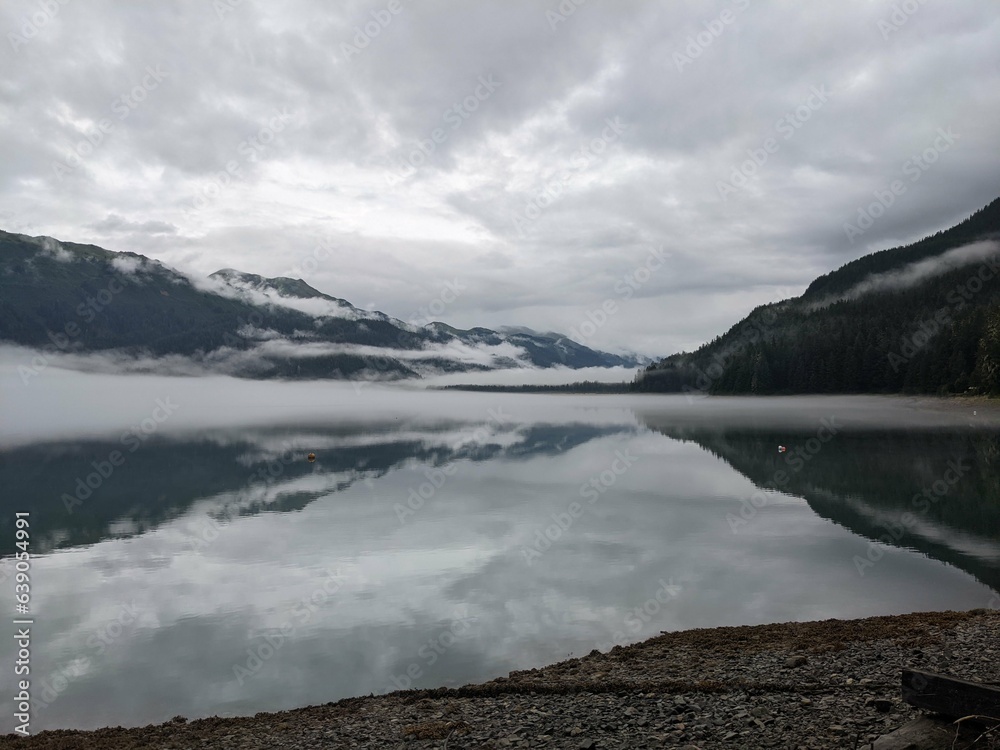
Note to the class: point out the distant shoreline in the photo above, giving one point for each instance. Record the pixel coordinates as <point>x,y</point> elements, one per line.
<point>604,388</point>
<point>585,387</point>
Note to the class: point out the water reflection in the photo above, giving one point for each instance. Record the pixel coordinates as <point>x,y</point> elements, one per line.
<point>934,491</point>
<point>79,497</point>
<point>218,571</point>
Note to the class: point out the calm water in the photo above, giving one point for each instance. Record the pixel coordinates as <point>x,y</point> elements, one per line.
<point>443,538</point>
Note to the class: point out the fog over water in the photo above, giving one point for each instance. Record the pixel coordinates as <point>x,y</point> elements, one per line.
<point>444,537</point>
<point>58,402</point>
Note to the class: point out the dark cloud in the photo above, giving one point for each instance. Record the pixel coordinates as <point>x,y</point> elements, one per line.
<point>241,138</point>
<point>115,223</point>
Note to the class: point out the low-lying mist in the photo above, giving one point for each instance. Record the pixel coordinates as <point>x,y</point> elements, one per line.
<point>916,273</point>
<point>58,403</point>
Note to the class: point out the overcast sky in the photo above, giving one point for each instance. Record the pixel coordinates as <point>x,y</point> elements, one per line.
<point>242,133</point>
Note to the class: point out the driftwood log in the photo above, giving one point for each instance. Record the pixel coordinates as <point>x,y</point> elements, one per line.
<point>950,696</point>
<point>963,709</point>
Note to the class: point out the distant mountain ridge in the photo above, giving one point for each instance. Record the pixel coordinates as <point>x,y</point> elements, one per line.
<point>282,284</point>
<point>128,308</point>
<point>923,318</point>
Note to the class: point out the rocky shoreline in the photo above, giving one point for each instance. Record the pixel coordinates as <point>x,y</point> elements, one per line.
<point>827,684</point>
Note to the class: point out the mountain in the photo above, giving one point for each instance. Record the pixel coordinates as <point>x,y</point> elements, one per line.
<point>224,470</point>
<point>568,347</point>
<point>873,483</point>
<point>138,314</point>
<point>924,318</point>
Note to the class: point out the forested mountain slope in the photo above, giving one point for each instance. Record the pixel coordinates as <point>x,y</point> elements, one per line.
<point>129,309</point>
<point>924,318</point>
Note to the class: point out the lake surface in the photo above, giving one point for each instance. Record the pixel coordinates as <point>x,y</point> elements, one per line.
<point>445,538</point>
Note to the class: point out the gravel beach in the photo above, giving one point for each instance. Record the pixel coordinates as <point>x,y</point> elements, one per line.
<point>828,684</point>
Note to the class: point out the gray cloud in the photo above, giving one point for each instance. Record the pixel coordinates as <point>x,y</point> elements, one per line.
<point>239,139</point>
<point>114,223</point>
<point>917,272</point>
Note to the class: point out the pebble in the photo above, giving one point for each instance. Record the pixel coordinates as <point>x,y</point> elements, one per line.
<point>705,689</point>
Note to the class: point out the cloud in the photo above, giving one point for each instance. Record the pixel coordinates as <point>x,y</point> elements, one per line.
<point>268,347</point>
<point>485,355</point>
<point>114,223</point>
<point>316,306</point>
<point>920,271</point>
<point>54,249</point>
<point>255,136</point>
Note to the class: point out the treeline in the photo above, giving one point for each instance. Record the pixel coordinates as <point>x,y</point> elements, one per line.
<point>587,386</point>
<point>939,336</point>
